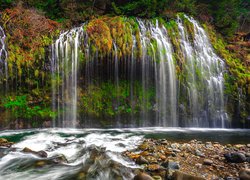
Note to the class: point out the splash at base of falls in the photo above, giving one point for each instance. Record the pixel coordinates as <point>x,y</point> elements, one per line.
<point>190,97</point>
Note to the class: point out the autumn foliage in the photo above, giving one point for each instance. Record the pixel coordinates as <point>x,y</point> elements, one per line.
<point>28,32</point>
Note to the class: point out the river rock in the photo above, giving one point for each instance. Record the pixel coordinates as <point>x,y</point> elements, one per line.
<point>248,145</point>
<point>198,165</point>
<point>59,159</point>
<point>171,165</point>
<point>239,146</point>
<point>143,176</point>
<point>207,162</point>
<point>154,167</point>
<point>42,154</point>
<point>141,160</point>
<point>235,157</point>
<point>200,154</point>
<point>5,143</point>
<point>157,177</point>
<point>178,175</point>
<point>244,174</point>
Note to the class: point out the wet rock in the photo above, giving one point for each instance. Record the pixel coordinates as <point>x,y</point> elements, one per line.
<point>144,146</point>
<point>207,162</point>
<point>42,154</point>
<point>5,143</point>
<point>153,167</point>
<point>141,160</point>
<point>235,157</point>
<point>40,163</point>
<point>59,159</point>
<point>244,174</point>
<point>178,175</point>
<point>248,145</point>
<point>171,165</point>
<point>143,176</point>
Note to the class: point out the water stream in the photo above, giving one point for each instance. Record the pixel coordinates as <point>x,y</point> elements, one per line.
<point>91,153</point>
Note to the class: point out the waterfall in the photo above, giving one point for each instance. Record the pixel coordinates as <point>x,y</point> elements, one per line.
<point>64,66</point>
<point>205,83</point>
<point>79,66</point>
<point>3,58</point>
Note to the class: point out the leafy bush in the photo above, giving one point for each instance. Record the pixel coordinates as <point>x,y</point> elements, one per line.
<point>20,108</point>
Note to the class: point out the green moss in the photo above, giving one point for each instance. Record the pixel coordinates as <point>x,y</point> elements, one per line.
<point>108,100</point>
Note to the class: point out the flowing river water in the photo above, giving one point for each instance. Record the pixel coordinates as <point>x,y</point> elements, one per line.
<point>91,153</point>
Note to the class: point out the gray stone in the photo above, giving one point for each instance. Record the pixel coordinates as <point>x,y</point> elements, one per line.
<point>244,174</point>
<point>235,157</point>
<point>171,165</point>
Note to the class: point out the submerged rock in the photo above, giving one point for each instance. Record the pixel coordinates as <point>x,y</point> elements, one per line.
<point>42,154</point>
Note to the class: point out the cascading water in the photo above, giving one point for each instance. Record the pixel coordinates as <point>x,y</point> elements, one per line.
<point>64,68</point>
<point>205,83</point>
<point>78,66</point>
<point>3,57</point>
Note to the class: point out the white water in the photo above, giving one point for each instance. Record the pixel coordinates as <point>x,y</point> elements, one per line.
<point>3,57</point>
<point>203,86</point>
<point>205,82</point>
<point>97,154</point>
<point>64,68</point>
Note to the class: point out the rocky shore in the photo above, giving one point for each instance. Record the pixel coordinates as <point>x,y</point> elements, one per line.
<point>163,159</point>
<point>194,160</point>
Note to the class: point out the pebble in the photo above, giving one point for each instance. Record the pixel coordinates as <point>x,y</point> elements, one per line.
<point>207,162</point>
<point>198,165</point>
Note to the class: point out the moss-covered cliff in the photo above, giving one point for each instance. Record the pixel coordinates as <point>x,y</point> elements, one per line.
<point>31,28</point>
